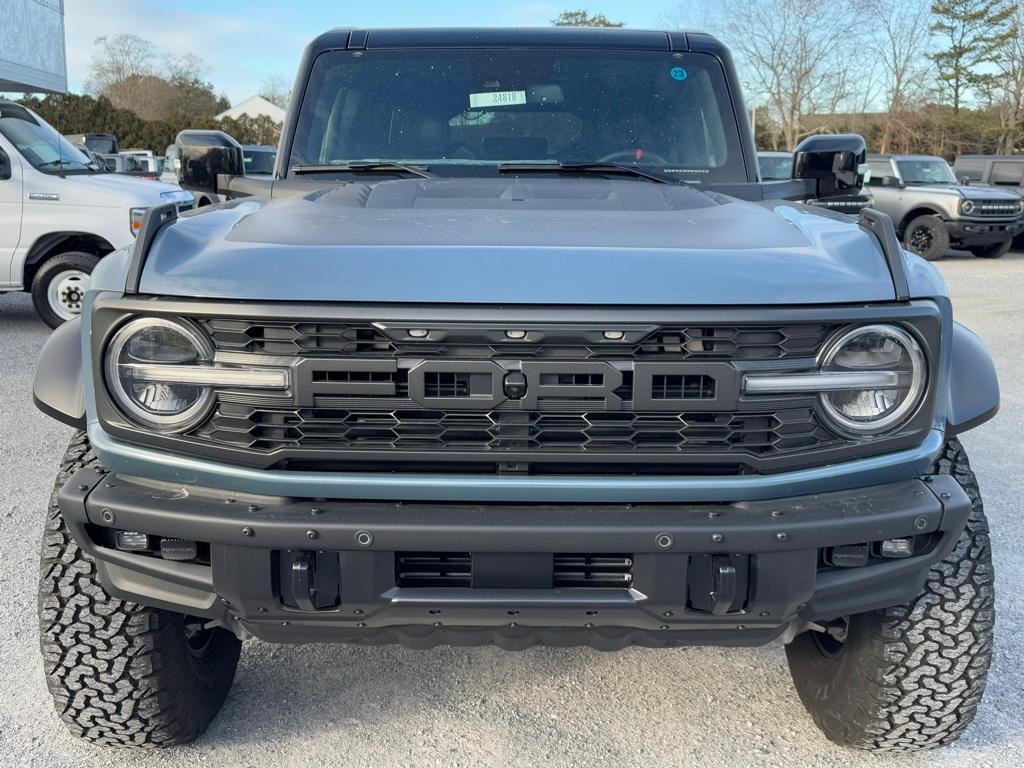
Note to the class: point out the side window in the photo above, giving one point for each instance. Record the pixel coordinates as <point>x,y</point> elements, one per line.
<point>879,169</point>
<point>1007,173</point>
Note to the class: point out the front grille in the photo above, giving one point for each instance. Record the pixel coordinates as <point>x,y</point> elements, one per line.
<point>851,204</point>
<point>627,398</point>
<point>995,208</point>
<point>496,432</point>
<point>719,342</point>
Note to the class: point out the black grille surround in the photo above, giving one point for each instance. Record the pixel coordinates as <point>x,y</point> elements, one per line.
<point>615,391</point>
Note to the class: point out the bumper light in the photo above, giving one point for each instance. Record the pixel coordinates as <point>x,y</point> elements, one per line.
<point>896,548</point>
<point>131,541</point>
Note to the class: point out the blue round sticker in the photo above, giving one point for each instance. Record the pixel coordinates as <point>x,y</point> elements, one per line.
<point>678,73</point>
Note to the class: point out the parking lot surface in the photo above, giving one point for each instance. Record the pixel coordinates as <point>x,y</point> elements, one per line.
<point>352,706</point>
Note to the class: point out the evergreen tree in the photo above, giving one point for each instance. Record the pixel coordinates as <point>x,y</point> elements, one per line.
<point>974,31</point>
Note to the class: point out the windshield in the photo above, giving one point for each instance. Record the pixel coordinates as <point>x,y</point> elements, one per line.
<point>258,161</point>
<point>40,144</point>
<point>928,171</point>
<point>102,145</point>
<point>464,112</point>
<point>775,167</point>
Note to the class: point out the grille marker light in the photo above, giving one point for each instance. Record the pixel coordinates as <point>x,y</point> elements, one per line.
<point>821,381</point>
<point>208,375</point>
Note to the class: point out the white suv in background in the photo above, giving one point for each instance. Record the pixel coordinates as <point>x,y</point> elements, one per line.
<point>60,212</point>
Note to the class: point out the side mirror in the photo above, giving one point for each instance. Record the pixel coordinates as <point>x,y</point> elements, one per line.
<point>5,166</point>
<point>835,163</point>
<point>891,181</point>
<point>207,160</point>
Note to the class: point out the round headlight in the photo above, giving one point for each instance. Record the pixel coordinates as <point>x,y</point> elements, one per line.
<point>888,351</point>
<point>138,351</point>
<point>966,206</point>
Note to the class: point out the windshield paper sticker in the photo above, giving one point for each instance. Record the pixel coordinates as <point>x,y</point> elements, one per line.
<point>678,73</point>
<point>496,99</point>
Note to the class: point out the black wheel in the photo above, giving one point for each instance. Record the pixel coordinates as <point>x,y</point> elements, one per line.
<point>993,251</point>
<point>122,674</point>
<point>910,677</point>
<point>59,286</point>
<point>928,237</point>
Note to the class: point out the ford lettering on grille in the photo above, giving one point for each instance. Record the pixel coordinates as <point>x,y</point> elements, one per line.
<point>528,385</point>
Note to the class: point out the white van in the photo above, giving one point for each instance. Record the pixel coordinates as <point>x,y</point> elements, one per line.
<point>60,213</point>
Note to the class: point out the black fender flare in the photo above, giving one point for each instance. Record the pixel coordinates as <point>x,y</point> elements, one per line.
<point>59,389</point>
<point>973,383</point>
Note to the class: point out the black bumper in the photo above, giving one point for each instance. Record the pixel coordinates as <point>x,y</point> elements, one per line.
<point>719,574</point>
<point>983,232</point>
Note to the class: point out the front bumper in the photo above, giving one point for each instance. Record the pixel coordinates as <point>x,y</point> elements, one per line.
<point>298,570</point>
<point>967,232</point>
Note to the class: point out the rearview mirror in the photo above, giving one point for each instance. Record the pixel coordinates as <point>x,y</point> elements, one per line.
<point>835,163</point>
<point>207,160</point>
<point>5,166</point>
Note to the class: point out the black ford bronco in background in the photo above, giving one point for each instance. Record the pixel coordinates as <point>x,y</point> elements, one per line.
<point>515,348</point>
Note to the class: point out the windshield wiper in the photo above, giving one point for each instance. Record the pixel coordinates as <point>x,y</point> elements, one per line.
<point>367,166</point>
<point>591,167</point>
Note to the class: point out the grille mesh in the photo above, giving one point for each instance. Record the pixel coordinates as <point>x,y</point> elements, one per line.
<point>267,429</point>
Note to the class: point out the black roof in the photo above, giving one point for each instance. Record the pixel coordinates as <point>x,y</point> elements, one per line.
<point>515,37</point>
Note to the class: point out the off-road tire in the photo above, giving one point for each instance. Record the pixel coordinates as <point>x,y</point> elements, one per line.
<point>938,237</point>
<point>50,269</point>
<point>120,674</point>
<point>910,677</point>
<point>994,251</point>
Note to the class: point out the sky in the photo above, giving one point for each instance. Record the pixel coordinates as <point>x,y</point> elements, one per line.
<point>245,42</point>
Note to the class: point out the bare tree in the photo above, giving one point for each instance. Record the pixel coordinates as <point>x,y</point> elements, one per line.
<point>1010,86</point>
<point>276,90</point>
<point>796,54</point>
<point>120,69</point>
<point>900,35</point>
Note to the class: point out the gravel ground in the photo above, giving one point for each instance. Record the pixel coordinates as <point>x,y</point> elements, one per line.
<point>342,705</point>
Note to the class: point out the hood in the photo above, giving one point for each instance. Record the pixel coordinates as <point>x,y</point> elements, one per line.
<point>988,193</point>
<point>497,241</point>
<point>101,189</point>
<point>966,191</point>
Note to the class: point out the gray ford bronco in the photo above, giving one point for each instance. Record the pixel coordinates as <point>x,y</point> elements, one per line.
<point>514,348</point>
<point>933,212</point>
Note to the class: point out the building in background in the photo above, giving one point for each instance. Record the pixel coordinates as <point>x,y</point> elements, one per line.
<point>32,53</point>
<point>254,106</point>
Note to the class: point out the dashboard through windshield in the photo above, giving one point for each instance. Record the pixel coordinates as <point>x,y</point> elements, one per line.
<point>465,112</point>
